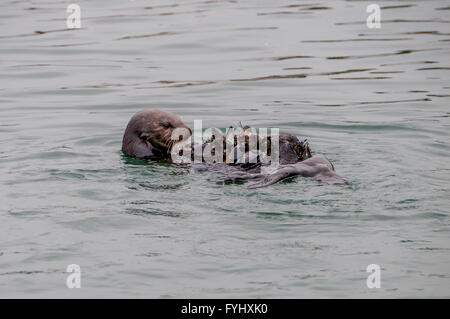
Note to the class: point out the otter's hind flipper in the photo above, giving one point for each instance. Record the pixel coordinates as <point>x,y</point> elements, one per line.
<point>317,167</point>
<point>275,177</point>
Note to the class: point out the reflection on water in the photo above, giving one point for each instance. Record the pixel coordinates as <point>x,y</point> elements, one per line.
<point>374,101</point>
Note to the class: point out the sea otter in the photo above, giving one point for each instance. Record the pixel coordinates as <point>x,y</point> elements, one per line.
<point>150,135</point>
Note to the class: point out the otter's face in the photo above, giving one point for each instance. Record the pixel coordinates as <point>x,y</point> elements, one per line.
<point>163,131</point>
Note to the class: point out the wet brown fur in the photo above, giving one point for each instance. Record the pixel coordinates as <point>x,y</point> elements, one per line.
<point>149,134</point>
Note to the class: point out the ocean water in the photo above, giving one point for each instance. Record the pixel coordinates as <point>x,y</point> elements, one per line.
<point>374,101</point>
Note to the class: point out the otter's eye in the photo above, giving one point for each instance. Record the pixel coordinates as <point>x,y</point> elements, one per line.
<point>167,125</point>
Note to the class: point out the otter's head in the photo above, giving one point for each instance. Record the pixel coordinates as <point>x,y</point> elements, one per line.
<point>151,133</point>
<point>292,150</point>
